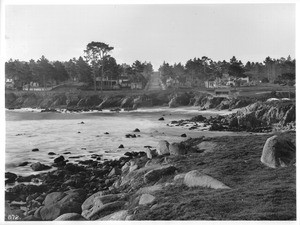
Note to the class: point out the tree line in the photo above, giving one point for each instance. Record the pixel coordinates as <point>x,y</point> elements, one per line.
<point>281,70</point>
<point>95,63</point>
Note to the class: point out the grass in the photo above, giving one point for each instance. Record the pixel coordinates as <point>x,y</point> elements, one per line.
<point>258,192</point>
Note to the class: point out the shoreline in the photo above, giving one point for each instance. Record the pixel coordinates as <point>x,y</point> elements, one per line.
<point>123,180</point>
<point>158,174</point>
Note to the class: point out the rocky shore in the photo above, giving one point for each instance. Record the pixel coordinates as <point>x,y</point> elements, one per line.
<point>85,102</point>
<point>217,178</point>
<point>259,117</point>
<point>204,178</point>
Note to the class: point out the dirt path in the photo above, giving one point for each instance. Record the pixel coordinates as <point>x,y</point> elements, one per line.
<point>155,83</point>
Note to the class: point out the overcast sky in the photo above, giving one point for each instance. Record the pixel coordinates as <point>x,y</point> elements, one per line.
<point>155,33</point>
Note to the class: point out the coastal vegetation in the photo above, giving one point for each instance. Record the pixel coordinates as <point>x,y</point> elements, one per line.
<point>98,70</point>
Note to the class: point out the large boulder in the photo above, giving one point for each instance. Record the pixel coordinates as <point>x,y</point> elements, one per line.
<point>98,200</point>
<point>146,199</point>
<point>156,174</point>
<point>195,178</point>
<point>100,210</point>
<point>175,149</point>
<point>88,203</point>
<point>10,177</point>
<point>53,198</point>
<point>150,189</point>
<point>278,152</point>
<point>207,146</point>
<point>58,203</point>
<point>39,166</point>
<point>163,147</point>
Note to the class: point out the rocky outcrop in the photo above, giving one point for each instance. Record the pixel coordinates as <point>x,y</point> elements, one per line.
<point>163,147</point>
<point>278,152</point>
<point>146,199</point>
<point>39,166</point>
<point>59,203</point>
<point>195,178</point>
<point>156,174</point>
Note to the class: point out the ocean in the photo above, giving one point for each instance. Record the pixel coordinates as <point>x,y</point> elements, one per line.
<point>77,136</point>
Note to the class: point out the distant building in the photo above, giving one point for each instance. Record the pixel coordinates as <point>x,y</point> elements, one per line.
<point>136,85</point>
<point>124,82</point>
<point>210,84</point>
<point>9,83</point>
<point>108,83</point>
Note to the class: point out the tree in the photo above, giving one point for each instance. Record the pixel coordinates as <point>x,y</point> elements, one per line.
<point>96,53</point>
<point>71,69</point>
<point>61,73</point>
<point>84,71</point>
<point>45,71</point>
<point>112,69</point>
<point>20,72</point>
<point>236,68</point>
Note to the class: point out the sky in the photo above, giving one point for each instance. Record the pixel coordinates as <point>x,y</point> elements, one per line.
<point>152,33</point>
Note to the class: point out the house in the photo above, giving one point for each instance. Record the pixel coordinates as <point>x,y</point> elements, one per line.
<point>9,83</point>
<point>210,84</point>
<point>136,85</point>
<point>230,83</point>
<point>124,82</point>
<point>108,83</point>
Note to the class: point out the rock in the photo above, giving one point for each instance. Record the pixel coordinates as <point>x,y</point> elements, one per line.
<point>161,118</point>
<point>183,135</point>
<point>150,189</point>
<point>115,171</point>
<point>59,159</point>
<point>88,203</point>
<point>195,178</point>
<point>175,149</point>
<point>121,146</point>
<point>50,212</point>
<point>137,130</point>
<point>163,148</point>
<point>35,150</point>
<point>150,153</point>
<point>207,146</point>
<point>99,210</point>
<point>179,178</point>
<point>70,203</point>
<point>156,174</point>
<point>278,152</point>
<point>23,164</point>
<point>39,167</point>
<point>37,213</point>
<point>146,199</point>
<point>133,168</point>
<point>69,216</point>
<point>120,215</point>
<point>51,153</point>
<point>53,198</point>
<point>106,133</point>
<point>11,177</point>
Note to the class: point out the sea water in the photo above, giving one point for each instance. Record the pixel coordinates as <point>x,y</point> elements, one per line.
<point>81,135</point>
